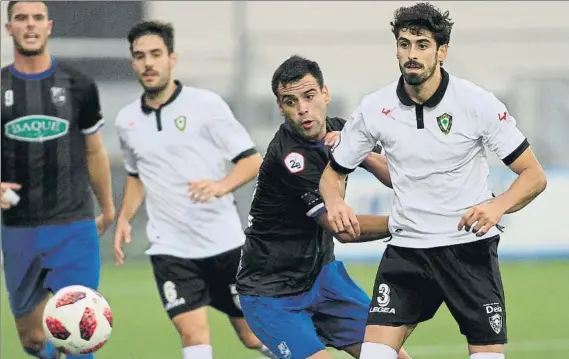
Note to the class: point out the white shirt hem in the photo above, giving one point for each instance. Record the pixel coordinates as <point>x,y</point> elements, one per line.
<point>191,254</point>
<point>427,242</point>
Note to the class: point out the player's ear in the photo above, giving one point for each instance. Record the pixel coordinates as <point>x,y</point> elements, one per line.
<point>49,27</point>
<point>280,107</point>
<point>442,53</point>
<point>173,59</point>
<point>326,94</point>
<point>9,28</point>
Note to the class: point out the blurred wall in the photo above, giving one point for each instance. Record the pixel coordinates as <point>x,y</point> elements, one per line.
<point>493,42</point>
<point>516,49</point>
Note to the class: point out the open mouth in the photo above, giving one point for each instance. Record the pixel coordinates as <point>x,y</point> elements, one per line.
<point>31,37</point>
<point>413,67</point>
<point>307,124</point>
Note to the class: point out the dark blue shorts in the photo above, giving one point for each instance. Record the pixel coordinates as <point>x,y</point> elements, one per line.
<point>333,313</point>
<point>39,260</point>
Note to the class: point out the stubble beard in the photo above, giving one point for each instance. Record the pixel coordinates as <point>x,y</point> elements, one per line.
<point>28,53</point>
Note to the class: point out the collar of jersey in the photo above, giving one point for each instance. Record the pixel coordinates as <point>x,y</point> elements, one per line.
<point>304,140</point>
<point>36,76</point>
<point>147,109</point>
<point>432,101</point>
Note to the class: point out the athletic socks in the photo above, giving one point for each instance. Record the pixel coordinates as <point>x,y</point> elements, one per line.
<point>47,352</point>
<point>203,351</point>
<point>487,356</point>
<point>89,356</point>
<point>268,353</point>
<point>380,351</point>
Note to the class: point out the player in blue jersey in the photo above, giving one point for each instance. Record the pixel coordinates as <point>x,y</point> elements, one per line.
<point>52,157</point>
<point>295,296</point>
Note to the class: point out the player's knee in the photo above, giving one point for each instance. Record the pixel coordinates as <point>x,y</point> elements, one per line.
<point>32,340</point>
<point>193,327</point>
<point>391,336</point>
<point>249,339</point>
<point>194,334</point>
<point>486,349</point>
<point>191,338</point>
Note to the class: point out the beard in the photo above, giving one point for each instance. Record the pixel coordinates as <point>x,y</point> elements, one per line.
<point>153,91</point>
<point>416,79</point>
<point>27,52</point>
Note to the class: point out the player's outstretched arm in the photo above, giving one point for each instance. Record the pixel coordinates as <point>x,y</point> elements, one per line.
<point>340,216</point>
<point>372,228</point>
<point>530,183</point>
<point>133,196</point>
<point>244,171</point>
<point>100,179</point>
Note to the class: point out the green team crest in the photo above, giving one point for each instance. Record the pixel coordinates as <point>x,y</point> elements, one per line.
<point>180,122</point>
<point>445,123</point>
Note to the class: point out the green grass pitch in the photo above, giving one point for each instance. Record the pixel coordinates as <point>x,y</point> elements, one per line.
<point>537,295</point>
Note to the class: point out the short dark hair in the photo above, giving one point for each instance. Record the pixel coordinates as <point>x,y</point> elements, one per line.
<point>294,69</point>
<point>162,29</point>
<point>11,5</point>
<point>420,17</point>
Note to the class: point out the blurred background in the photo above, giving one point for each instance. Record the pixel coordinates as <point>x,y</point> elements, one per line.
<point>518,50</point>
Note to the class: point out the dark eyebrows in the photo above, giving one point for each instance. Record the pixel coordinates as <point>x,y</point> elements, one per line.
<point>288,97</point>
<point>293,97</point>
<point>152,51</point>
<point>21,15</point>
<point>423,40</point>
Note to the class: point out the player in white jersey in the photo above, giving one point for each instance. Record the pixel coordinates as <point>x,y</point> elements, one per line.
<point>176,141</point>
<point>434,128</point>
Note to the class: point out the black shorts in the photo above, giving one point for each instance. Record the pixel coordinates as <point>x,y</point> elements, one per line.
<point>188,284</point>
<point>412,283</point>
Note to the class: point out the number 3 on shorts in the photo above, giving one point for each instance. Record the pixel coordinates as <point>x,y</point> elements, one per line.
<point>383,295</point>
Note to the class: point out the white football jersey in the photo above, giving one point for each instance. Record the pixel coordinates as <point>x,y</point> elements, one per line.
<point>436,155</point>
<point>191,137</point>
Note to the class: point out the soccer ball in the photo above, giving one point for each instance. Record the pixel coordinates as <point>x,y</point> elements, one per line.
<point>77,320</point>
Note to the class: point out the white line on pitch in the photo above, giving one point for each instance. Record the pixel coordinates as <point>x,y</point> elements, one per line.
<point>430,350</point>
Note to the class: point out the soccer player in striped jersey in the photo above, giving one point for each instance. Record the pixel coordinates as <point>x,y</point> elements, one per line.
<point>52,157</point>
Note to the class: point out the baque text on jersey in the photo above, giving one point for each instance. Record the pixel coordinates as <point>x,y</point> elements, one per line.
<point>36,128</point>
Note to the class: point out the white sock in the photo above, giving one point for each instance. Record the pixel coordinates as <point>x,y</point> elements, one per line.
<point>202,351</point>
<point>487,356</point>
<point>267,352</point>
<point>378,351</point>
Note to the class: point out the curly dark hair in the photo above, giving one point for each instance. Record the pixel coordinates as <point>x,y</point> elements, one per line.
<point>162,29</point>
<point>420,17</point>
<point>293,69</point>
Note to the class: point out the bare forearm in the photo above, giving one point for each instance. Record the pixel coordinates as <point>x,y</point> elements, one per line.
<point>529,184</point>
<point>100,180</point>
<point>332,185</point>
<point>132,198</point>
<point>243,172</point>
<point>372,228</point>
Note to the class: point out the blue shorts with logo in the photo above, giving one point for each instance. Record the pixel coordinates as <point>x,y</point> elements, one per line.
<point>39,260</point>
<point>332,313</point>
